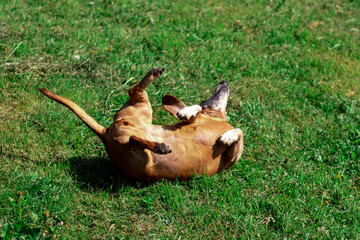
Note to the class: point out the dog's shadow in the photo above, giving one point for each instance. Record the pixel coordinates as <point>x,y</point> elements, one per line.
<point>100,173</point>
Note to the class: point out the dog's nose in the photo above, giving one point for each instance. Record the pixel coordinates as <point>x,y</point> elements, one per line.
<point>223,82</point>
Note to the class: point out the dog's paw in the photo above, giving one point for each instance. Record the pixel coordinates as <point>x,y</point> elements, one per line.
<point>230,137</point>
<point>161,148</point>
<point>188,112</point>
<point>156,71</point>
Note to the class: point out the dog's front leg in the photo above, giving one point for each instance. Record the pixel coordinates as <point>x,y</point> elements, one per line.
<point>230,137</point>
<point>188,112</point>
<point>234,140</point>
<point>178,109</point>
<point>156,147</point>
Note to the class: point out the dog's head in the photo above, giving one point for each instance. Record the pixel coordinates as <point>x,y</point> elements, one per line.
<point>214,107</point>
<point>218,100</point>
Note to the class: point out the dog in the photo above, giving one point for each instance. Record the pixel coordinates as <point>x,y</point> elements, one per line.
<point>203,142</point>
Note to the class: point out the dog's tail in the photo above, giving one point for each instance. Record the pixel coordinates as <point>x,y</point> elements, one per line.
<point>98,129</point>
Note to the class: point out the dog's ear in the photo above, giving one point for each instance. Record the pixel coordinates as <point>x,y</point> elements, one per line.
<point>172,104</point>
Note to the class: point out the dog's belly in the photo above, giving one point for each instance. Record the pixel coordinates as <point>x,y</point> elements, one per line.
<point>183,162</point>
<point>198,154</point>
<point>194,150</point>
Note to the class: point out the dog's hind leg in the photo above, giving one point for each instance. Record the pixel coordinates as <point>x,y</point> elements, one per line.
<point>159,148</point>
<point>137,93</point>
<point>138,109</point>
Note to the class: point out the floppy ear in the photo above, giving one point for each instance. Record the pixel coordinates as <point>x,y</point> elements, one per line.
<point>172,104</point>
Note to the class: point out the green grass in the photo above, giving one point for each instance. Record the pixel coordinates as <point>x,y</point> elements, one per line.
<point>294,74</point>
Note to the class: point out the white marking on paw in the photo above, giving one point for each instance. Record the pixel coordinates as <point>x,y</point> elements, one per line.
<point>230,137</point>
<point>188,112</point>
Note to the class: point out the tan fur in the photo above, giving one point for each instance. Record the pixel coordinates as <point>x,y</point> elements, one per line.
<point>153,152</point>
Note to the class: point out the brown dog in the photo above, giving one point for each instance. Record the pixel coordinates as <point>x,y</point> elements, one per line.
<point>203,143</point>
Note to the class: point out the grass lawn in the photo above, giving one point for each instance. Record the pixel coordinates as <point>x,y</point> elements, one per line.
<point>294,74</point>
